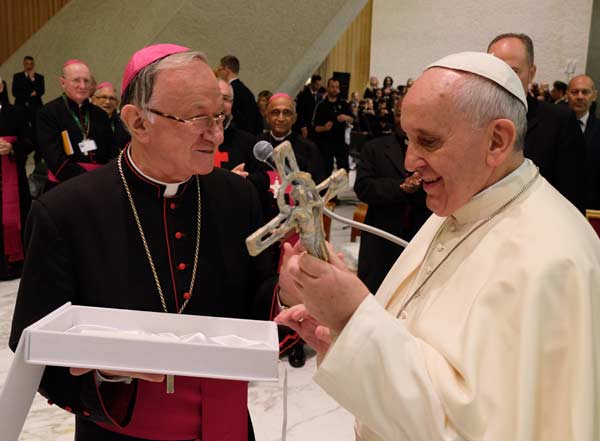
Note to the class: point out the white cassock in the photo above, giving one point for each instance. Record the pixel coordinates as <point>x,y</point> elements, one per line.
<point>502,344</point>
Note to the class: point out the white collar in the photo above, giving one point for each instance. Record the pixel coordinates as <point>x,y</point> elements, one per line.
<point>170,188</point>
<point>491,198</point>
<point>279,138</point>
<point>584,119</point>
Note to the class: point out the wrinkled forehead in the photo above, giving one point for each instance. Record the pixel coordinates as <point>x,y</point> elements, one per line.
<point>106,91</point>
<point>193,84</point>
<point>77,70</point>
<point>281,102</point>
<point>436,83</point>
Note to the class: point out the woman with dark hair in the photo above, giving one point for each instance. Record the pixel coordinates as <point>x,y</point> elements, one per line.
<point>388,82</point>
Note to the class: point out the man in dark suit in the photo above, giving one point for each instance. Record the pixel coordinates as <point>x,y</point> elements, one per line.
<point>396,203</point>
<point>559,93</point>
<point>28,87</point>
<point>245,110</point>
<point>554,141</point>
<point>581,94</point>
<point>306,101</point>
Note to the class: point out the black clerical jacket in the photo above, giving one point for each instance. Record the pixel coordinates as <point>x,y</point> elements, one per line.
<point>56,117</point>
<point>83,246</point>
<point>555,143</point>
<point>379,174</point>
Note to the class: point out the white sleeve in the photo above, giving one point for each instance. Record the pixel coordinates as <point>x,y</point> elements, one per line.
<point>376,369</point>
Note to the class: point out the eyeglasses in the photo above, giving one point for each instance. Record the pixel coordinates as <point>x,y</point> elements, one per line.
<point>201,122</point>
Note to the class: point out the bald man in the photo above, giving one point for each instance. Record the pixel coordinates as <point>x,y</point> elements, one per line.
<point>74,135</point>
<point>553,142</point>
<point>581,94</point>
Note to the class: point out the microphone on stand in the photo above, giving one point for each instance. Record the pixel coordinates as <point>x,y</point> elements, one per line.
<point>263,151</point>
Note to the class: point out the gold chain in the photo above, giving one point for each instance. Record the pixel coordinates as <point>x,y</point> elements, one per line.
<point>145,243</point>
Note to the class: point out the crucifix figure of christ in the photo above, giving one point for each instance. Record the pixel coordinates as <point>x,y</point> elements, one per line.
<point>306,215</point>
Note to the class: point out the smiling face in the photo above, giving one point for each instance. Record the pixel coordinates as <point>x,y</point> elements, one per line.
<point>444,147</point>
<point>75,82</point>
<point>179,148</point>
<point>281,115</point>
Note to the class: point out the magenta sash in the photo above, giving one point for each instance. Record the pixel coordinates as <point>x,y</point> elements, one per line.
<point>11,207</point>
<point>87,165</point>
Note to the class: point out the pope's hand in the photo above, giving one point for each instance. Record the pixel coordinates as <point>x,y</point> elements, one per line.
<point>330,292</point>
<point>298,318</point>
<point>289,292</point>
<point>156,378</point>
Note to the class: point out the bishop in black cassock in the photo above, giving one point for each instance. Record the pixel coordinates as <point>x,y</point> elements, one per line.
<point>84,246</point>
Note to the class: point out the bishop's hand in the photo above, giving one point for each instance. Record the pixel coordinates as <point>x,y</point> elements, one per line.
<point>156,378</point>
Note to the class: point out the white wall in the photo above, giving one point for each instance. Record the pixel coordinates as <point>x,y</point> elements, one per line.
<point>410,34</point>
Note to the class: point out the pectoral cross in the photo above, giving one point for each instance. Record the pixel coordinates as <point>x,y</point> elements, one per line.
<point>170,384</point>
<point>306,215</point>
<point>219,158</point>
<point>275,186</point>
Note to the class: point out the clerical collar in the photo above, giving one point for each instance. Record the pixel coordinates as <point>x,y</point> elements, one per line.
<point>170,188</point>
<point>279,138</point>
<point>492,198</point>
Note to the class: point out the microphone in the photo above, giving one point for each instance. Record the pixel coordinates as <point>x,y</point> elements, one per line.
<point>263,151</point>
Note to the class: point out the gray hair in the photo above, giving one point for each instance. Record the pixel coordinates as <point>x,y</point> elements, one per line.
<point>487,101</point>
<point>139,91</point>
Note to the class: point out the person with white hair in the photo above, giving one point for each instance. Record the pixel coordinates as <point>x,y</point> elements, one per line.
<point>159,229</point>
<point>486,328</point>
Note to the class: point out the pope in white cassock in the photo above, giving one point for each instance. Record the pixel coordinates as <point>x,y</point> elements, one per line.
<point>488,325</point>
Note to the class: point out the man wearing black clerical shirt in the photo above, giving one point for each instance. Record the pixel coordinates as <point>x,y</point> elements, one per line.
<point>74,135</point>
<point>235,152</point>
<point>332,116</point>
<point>94,240</point>
<point>281,115</point>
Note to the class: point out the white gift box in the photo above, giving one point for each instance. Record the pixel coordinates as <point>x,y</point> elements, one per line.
<point>48,342</point>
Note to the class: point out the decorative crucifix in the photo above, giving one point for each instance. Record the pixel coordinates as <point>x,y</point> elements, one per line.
<point>306,215</point>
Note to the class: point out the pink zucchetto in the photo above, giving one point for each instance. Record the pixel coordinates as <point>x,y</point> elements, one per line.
<point>104,85</point>
<point>147,56</point>
<point>74,61</point>
<point>280,95</point>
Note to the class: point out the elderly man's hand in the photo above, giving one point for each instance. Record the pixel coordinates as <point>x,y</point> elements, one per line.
<point>330,291</point>
<point>289,292</point>
<point>307,327</point>
<point>239,170</point>
<point>155,378</point>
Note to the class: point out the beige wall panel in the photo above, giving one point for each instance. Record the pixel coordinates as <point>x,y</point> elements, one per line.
<point>279,43</point>
<point>410,34</point>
